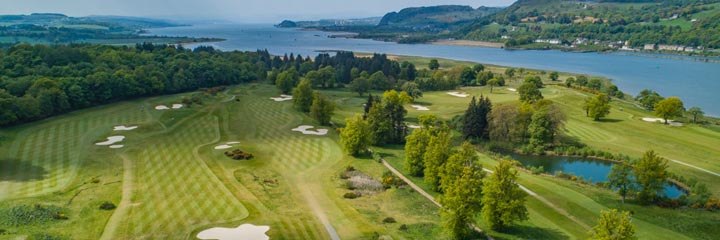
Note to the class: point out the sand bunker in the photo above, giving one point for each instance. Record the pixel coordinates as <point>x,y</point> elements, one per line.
<point>245,232</point>
<point>282,98</point>
<point>111,140</point>
<point>670,122</point>
<point>457,94</point>
<point>232,143</point>
<point>420,108</point>
<point>117,146</point>
<point>161,107</point>
<point>512,89</point>
<point>221,147</point>
<point>304,129</point>
<point>124,128</point>
<point>177,106</point>
<point>413,126</point>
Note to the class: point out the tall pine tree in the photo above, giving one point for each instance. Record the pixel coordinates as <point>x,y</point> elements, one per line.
<point>475,124</point>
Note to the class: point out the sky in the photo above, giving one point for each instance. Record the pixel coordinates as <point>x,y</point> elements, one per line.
<point>265,11</point>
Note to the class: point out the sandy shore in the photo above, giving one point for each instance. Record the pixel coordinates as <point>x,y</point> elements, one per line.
<point>468,43</point>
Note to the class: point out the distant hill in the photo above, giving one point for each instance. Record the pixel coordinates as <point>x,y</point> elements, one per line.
<point>59,28</point>
<point>434,17</point>
<point>370,21</point>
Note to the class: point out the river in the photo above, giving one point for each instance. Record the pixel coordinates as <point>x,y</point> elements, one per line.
<point>695,82</point>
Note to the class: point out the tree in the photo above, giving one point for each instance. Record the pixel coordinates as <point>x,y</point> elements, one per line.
<point>415,148</point>
<point>650,174</point>
<point>286,80</point>
<point>303,96</point>
<point>434,64</point>
<point>540,130</point>
<point>475,123</point>
<point>355,137</point>
<point>461,200</point>
<point>436,153</point>
<point>386,119</point>
<point>503,201</point>
<point>412,89</point>
<point>379,81</point>
<point>503,122</point>
<point>534,80</point>
<point>492,83</point>
<point>360,85</point>
<point>321,109</point>
<point>554,76</point>
<point>595,84</point>
<point>510,72</point>
<point>454,164</point>
<point>529,93</point>
<point>597,107</point>
<point>478,67</point>
<point>467,76</point>
<point>613,225</point>
<point>696,112</point>
<point>669,108</point>
<point>648,98</point>
<point>621,178</point>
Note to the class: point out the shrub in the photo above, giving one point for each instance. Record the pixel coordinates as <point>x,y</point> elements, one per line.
<point>238,154</point>
<point>95,180</point>
<point>107,206</point>
<point>2,231</point>
<point>27,215</point>
<point>389,220</point>
<point>537,170</point>
<point>349,168</point>
<point>44,236</point>
<point>351,195</point>
<point>403,228</point>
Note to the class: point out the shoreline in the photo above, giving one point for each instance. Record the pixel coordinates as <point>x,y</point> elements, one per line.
<point>468,43</point>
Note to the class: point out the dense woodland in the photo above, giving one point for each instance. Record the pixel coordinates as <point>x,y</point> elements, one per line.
<point>39,81</point>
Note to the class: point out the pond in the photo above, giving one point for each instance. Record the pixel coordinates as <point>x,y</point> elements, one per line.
<point>593,170</point>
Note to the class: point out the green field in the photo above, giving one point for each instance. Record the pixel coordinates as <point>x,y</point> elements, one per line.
<point>170,183</point>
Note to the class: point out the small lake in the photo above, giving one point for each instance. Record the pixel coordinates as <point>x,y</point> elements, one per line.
<point>593,170</point>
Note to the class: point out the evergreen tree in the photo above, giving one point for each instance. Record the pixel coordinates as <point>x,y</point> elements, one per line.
<point>368,105</point>
<point>503,200</point>
<point>470,121</point>
<point>303,96</point>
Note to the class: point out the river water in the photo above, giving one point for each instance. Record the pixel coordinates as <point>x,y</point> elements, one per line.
<point>697,83</point>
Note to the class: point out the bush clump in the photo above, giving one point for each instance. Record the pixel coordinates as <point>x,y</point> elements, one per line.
<point>352,195</point>
<point>238,154</point>
<point>26,215</point>
<point>107,206</point>
<point>403,228</point>
<point>389,220</point>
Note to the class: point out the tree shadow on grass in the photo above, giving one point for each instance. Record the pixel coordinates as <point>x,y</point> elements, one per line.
<point>609,120</point>
<point>528,232</point>
<point>12,170</point>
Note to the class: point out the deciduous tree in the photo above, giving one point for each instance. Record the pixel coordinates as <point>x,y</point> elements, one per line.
<point>503,201</point>
<point>434,64</point>
<point>669,108</point>
<point>597,107</point>
<point>321,109</point>
<point>651,176</point>
<point>613,225</point>
<point>462,199</point>
<point>355,136</point>
<point>621,179</point>
<point>303,96</point>
<point>696,112</point>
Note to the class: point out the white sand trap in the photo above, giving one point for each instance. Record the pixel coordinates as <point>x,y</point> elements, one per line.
<point>177,106</point>
<point>124,128</point>
<point>304,129</point>
<point>420,108</point>
<point>457,94</point>
<point>244,232</point>
<point>670,122</point>
<point>229,143</point>
<point>111,140</point>
<point>221,147</point>
<point>413,126</point>
<point>161,107</point>
<point>117,146</point>
<point>512,89</point>
<point>282,98</point>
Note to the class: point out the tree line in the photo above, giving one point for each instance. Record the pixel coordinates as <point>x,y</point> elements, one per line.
<point>39,81</point>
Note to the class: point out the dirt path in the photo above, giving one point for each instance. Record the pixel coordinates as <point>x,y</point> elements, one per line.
<point>528,191</point>
<point>318,211</point>
<point>422,192</point>
<point>124,205</point>
<point>696,167</point>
